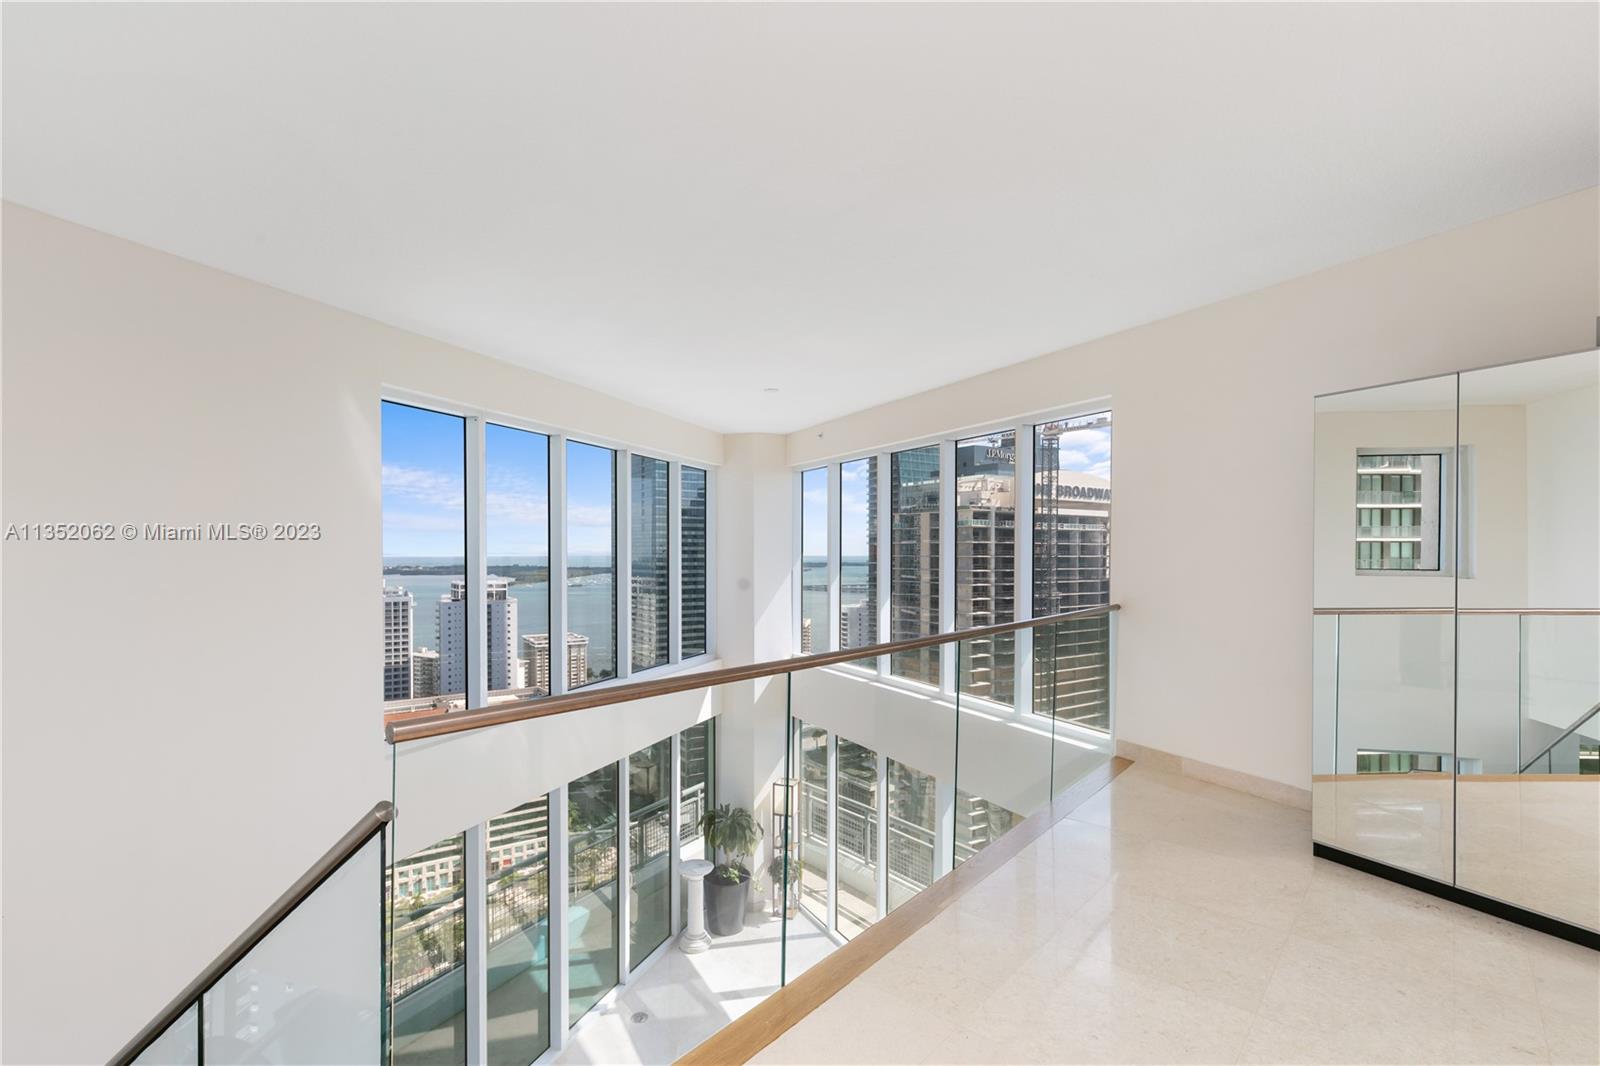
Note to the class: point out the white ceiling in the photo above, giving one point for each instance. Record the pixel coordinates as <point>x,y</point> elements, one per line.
<point>686,205</point>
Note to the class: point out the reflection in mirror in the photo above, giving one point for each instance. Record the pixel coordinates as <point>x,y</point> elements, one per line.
<point>1385,569</point>
<point>1530,677</point>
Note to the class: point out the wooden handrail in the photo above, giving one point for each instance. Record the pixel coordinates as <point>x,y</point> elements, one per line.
<point>1583,612</point>
<point>444,723</point>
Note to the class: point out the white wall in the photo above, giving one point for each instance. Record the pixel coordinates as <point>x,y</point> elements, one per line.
<point>1215,635</point>
<point>1563,475</point>
<point>188,726</point>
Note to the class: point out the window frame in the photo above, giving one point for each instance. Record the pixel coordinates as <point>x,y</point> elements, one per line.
<point>1024,426</point>
<point>477,417</point>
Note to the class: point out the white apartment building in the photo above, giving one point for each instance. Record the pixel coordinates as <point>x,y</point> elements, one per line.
<point>500,636</point>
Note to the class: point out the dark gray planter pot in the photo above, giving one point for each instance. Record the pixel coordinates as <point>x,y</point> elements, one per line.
<point>725,903</point>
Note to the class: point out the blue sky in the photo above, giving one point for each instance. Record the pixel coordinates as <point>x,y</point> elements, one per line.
<point>424,493</point>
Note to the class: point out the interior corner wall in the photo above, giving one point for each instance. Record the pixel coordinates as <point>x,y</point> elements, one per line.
<point>188,726</point>
<point>1212,454</point>
<point>755,505</point>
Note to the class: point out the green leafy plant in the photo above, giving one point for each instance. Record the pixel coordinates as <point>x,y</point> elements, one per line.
<point>775,870</point>
<point>733,834</point>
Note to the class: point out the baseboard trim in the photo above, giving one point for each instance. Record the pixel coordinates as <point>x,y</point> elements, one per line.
<point>1250,784</point>
<point>1542,923</point>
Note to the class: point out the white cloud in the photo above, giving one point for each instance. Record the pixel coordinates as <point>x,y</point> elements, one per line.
<point>433,488</point>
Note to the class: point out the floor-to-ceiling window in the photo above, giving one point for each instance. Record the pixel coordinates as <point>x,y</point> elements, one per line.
<point>650,587</point>
<point>592,906</point>
<point>986,562</point>
<point>427,971</point>
<point>649,849</point>
<point>517,916</point>
<point>858,553</point>
<point>591,564</point>
<point>692,553</point>
<point>424,558</point>
<point>814,561</point>
<point>856,845</point>
<point>914,560</point>
<point>1071,568</point>
<point>913,828</point>
<point>811,833</point>
<point>697,780</point>
<point>517,532</point>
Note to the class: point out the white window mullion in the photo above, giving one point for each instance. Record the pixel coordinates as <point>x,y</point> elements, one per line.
<point>560,949</point>
<point>477,605</point>
<point>475,855</point>
<point>675,562</point>
<point>832,638</point>
<point>882,858</point>
<point>624,866</point>
<point>833,831</point>
<point>1023,597</point>
<point>947,564</point>
<point>797,577</point>
<point>622,566</point>
<point>885,519</point>
<point>711,561</point>
<point>675,834</point>
<point>558,564</point>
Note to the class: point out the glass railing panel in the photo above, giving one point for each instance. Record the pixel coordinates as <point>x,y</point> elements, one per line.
<point>179,1045</point>
<point>428,944</point>
<point>517,917</point>
<point>312,990</point>
<point>1324,723</point>
<point>649,850</point>
<point>593,910</point>
<point>1393,782</point>
<point>1003,760</point>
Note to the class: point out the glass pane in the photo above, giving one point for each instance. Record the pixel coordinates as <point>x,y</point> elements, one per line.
<point>517,528</point>
<point>1528,738</point>
<point>856,849</point>
<point>1071,555</point>
<point>913,823</point>
<point>811,827</point>
<point>813,561</point>
<point>649,849</point>
<point>427,972</point>
<point>424,559</point>
<point>591,564</point>
<point>179,1045</point>
<point>592,845</point>
<point>312,990</point>
<point>986,561</point>
<point>1003,763</point>
<point>1072,672</point>
<point>858,553</point>
<point>914,560</point>
<point>518,918</point>
<point>648,586</point>
<point>693,535</point>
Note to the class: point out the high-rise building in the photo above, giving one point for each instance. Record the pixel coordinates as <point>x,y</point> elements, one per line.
<point>986,562</point>
<point>424,673</point>
<point>398,613</point>
<point>692,561</point>
<point>649,630</point>
<point>649,573</point>
<point>857,623</point>
<point>914,560</point>
<point>805,636</point>
<point>500,636</point>
<point>536,650</point>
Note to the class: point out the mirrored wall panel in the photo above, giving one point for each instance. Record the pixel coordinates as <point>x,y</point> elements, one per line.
<point>1456,659</point>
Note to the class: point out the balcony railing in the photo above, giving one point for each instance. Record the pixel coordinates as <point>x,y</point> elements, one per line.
<point>558,927</point>
<point>1380,498</point>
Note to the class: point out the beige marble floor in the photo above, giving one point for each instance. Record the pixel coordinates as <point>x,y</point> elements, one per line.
<point>1169,920</point>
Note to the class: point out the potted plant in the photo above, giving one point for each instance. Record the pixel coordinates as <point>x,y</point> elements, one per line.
<point>732,834</point>
<point>775,871</point>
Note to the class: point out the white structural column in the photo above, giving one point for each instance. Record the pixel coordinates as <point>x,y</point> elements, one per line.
<point>947,564</point>
<point>797,600</point>
<point>1023,594</point>
<point>833,831</point>
<point>625,958</point>
<point>622,565</point>
<point>885,511</point>
<point>475,844</point>
<point>695,939</point>
<point>883,835</point>
<point>835,561</point>
<point>675,834</point>
<point>675,568</point>
<point>558,564</point>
